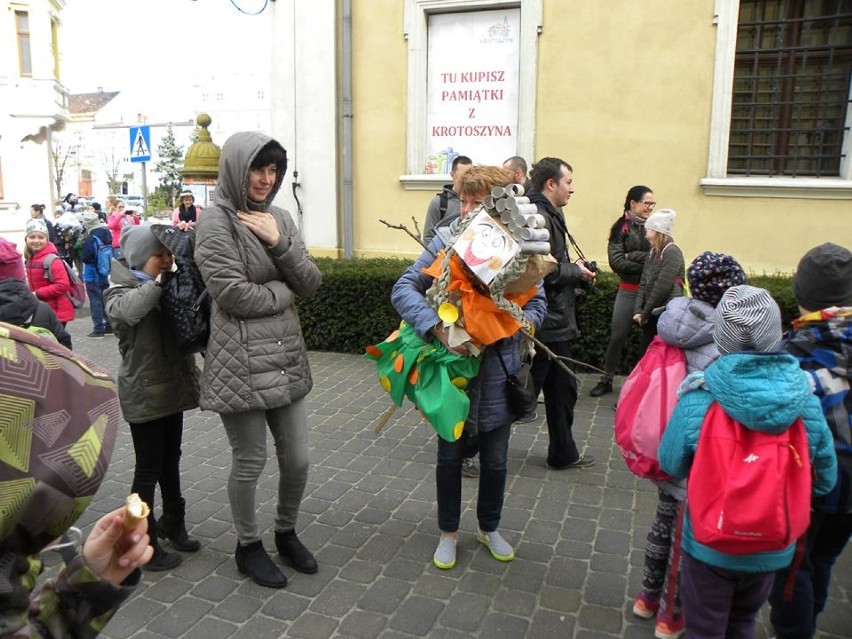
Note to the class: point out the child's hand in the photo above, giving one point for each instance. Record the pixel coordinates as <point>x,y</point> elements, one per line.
<point>111,553</point>
<point>638,319</point>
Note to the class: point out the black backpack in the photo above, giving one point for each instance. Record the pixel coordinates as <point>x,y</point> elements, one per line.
<point>185,302</point>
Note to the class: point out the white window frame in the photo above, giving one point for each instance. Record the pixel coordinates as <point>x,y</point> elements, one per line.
<point>416,31</point>
<point>717,181</point>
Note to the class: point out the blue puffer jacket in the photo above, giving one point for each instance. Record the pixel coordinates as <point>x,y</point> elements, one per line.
<point>764,392</point>
<point>489,404</point>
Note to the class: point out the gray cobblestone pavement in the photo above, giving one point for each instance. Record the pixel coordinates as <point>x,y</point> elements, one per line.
<point>369,514</point>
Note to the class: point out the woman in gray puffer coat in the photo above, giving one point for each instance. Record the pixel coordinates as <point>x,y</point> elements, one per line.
<point>256,372</point>
<point>686,323</point>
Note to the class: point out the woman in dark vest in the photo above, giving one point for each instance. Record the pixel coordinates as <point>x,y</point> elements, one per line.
<point>186,215</point>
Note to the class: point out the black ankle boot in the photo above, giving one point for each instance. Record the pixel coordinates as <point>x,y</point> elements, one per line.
<point>294,552</point>
<point>172,526</point>
<point>603,387</point>
<point>253,561</point>
<point>162,559</point>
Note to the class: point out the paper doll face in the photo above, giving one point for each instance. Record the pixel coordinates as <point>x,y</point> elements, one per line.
<point>485,247</point>
<point>486,243</point>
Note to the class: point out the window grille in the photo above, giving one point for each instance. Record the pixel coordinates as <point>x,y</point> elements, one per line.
<point>791,90</point>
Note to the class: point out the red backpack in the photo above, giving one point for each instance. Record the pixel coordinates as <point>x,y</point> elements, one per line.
<point>645,404</point>
<point>749,491</point>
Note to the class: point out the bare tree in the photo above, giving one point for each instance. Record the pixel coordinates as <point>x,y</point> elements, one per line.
<point>111,165</point>
<point>59,154</point>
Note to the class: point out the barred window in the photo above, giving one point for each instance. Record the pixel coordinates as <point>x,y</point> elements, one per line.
<point>791,91</point>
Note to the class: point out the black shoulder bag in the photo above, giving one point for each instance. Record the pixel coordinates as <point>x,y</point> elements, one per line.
<point>520,389</point>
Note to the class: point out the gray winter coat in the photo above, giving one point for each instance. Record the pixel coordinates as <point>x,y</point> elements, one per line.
<point>154,379</point>
<point>662,280</point>
<point>256,357</point>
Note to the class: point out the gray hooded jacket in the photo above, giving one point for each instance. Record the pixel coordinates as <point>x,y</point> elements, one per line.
<point>256,357</point>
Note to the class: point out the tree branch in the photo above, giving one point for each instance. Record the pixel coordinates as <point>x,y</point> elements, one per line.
<point>403,227</point>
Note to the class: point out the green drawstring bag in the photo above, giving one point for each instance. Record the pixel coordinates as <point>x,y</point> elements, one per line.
<point>433,378</point>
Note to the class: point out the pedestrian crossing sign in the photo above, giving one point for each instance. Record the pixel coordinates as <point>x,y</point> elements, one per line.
<point>140,144</point>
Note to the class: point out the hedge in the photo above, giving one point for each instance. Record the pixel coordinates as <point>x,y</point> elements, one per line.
<point>352,309</point>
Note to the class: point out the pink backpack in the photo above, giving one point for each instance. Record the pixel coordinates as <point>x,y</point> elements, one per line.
<point>645,404</point>
<point>749,491</point>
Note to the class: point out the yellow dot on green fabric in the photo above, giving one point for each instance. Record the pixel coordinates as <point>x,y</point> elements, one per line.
<point>373,351</point>
<point>385,382</point>
<point>457,430</point>
<point>460,382</point>
<point>398,363</point>
<point>448,313</point>
<point>413,376</point>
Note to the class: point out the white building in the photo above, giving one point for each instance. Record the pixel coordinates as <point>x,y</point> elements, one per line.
<point>33,101</point>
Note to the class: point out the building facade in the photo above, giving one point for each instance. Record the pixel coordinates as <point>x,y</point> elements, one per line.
<point>735,112</point>
<point>33,98</point>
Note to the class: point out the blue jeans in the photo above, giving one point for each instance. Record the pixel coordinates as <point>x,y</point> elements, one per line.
<point>95,291</point>
<point>796,619</point>
<point>493,451</point>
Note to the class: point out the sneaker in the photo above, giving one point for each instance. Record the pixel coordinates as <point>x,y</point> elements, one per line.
<point>108,331</point>
<point>583,461</point>
<point>645,606</point>
<point>499,547</point>
<point>95,334</point>
<point>469,467</point>
<point>671,629</point>
<point>602,388</point>
<point>526,419</point>
<point>445,554</point>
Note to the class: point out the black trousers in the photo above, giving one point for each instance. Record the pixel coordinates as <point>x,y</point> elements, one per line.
<point>157,446</point>
<point>560,396</point>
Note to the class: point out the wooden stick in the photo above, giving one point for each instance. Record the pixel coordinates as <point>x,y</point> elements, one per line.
<point>559,359</point>
<point>384,419</point>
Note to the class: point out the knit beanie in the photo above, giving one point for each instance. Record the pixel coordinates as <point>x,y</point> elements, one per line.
<point>662,221</point>
<point>711,274</point>
<point>824,278</point>
<point>138,244</point>
<point>36,225</point>
<point>90,220</point>
<point>11,262</point>
<point>747,319</point>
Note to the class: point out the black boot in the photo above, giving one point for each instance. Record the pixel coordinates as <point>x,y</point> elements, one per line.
<point>162,559</point>
<point>603,387</point>
<point>172,526</point>
<point>253,561</point>
<point>294,552</point>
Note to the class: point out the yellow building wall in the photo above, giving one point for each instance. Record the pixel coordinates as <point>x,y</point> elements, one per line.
<point>624,94</point>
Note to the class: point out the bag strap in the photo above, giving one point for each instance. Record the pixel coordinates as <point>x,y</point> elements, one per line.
<point>503,364</point>
<point>46,262</point>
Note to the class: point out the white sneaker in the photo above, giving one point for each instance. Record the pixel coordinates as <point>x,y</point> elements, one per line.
<point>499,547</point>
<point>445,554</point>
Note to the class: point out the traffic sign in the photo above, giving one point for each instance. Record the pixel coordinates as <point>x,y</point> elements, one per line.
<point>140,144</point>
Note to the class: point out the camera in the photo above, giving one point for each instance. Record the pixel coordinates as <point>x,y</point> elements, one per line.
<point>592,266</point>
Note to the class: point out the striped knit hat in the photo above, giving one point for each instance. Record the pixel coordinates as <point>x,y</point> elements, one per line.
<point>747,319</point>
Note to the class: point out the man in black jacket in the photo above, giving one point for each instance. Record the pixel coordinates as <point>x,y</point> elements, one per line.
<point>552,184</point>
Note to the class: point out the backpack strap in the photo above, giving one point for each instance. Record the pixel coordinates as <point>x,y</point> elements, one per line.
<point>46,262</point>
<point>443,199</point>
